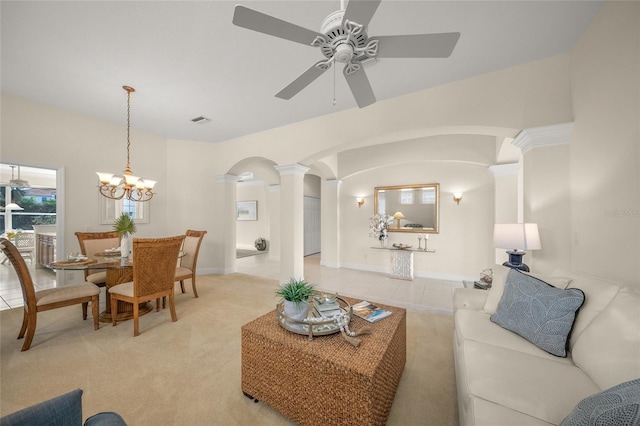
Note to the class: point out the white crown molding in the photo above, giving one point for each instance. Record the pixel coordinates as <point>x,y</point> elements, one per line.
<point>509,169</point>
<point>543,136</point>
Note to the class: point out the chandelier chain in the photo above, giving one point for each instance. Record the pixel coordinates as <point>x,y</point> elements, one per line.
<point>128,126</point>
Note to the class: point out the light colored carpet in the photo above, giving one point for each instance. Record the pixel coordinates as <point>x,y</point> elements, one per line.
<point>188,372</point>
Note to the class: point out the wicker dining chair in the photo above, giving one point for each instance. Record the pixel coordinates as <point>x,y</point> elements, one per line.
<point>154,269</point>
<point>97,242</point>
<point>25,242</point>
<point>44,300</point>
<point>187,268</point>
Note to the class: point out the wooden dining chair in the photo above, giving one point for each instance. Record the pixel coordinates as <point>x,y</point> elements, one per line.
<point>97,242</point>
<point>44,300</point>
<point>154,269</point>
<point>187,268</point>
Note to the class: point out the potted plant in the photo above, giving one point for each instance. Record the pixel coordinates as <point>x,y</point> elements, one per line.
<point>126,227</point>
<point>296,294</point>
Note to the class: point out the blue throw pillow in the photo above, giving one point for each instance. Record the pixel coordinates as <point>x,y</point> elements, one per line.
<point>537,311</point>
<point>617,406</point>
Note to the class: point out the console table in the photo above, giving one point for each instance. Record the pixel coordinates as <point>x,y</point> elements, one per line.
<point>402,261</point>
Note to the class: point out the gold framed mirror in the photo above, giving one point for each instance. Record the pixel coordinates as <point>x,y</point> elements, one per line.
<point>415,208</point>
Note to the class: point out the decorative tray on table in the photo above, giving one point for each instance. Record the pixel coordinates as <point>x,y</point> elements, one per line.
<point>316,324</point>
<point>402,246</point>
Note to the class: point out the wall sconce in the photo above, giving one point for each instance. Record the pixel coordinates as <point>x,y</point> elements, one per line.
<point>360,201</point>
<point>457,197</point>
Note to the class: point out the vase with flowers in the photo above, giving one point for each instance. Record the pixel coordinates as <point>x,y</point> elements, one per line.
<point>379,227</point>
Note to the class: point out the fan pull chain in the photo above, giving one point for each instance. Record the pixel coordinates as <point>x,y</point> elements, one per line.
<point>334,83</point>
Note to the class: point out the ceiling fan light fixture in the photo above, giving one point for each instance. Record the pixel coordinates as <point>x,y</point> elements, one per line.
<point>18,183</point>
<point>344,53</point>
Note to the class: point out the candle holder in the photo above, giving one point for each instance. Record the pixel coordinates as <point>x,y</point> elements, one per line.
<point>419,241</point>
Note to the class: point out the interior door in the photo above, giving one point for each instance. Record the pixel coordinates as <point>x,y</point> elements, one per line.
<point>311,225</point>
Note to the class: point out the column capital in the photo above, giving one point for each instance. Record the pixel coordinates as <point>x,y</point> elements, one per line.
<point>332,183</point>
<point>543,136</point>
<point>226,178</point>
<point>292,170</point>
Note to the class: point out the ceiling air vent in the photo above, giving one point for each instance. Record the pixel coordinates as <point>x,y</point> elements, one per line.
<point>201,120</point>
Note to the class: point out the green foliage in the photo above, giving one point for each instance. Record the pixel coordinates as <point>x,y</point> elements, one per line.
<point>295,290</point>
<point>124,225</point>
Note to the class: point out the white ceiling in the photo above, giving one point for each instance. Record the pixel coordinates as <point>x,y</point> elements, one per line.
<point>186,58</point>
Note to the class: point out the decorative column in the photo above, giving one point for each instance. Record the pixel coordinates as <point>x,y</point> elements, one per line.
<point>275,221</point>
<point>508,198</point>
<point>224,234</point>
<point>330,226</point>
<point>291,221</point>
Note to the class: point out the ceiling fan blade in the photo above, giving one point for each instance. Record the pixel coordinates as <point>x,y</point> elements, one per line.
<point>361,11</point>
<point>301,82</point>
<point>360,87</point>
<point>258,21</point>
<point>417,46</point>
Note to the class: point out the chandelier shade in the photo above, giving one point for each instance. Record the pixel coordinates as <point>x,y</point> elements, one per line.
<point>127,186</point>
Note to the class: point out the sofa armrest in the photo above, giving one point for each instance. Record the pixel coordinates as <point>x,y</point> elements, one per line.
<point>469,298</point>
<point>62,410</point>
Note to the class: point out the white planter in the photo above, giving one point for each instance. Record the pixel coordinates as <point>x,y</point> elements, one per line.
<point>126,243</point>
<point>296,311</point>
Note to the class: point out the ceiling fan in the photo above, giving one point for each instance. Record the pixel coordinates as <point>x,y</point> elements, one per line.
<point>343,38</point>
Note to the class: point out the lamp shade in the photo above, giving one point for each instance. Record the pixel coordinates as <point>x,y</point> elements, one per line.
<point>13,206</point>
<point>398,215</point>
<point>518,236</point>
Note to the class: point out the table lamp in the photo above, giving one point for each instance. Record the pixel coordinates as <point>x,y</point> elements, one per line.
<point>517,237</point>
<point>398,216</point>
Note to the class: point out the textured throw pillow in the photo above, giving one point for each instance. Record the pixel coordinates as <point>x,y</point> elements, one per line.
<point>499,278</point>
<point>537,311</point>
<point>617,406</point>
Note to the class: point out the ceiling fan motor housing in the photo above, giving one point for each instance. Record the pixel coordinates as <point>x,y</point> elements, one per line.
<point>340,44</point>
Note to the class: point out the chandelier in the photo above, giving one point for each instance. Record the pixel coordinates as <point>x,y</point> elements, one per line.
<point>131,187</point>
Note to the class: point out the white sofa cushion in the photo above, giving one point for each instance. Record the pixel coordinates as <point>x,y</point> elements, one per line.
<point>532,385</point>
<point>487,413</point>
<point>609,349</point>
<point>476,325</point>
<point>598,294</point>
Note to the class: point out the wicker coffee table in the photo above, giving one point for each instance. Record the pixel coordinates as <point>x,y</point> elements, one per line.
<point>326,380</point>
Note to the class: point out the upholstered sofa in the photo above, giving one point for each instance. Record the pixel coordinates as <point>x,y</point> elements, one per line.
<point>62,410</point>
<point>505,379</point>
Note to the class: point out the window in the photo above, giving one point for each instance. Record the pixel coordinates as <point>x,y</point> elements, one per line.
<point>111,209</point>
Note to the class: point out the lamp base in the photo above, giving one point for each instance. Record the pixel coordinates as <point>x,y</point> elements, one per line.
<point>515,261</point>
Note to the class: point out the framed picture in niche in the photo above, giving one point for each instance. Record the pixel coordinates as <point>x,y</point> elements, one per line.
<point>111,209</point>
<point>247,210</point>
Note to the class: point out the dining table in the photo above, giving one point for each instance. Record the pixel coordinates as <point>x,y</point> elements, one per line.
<point>118,270</point>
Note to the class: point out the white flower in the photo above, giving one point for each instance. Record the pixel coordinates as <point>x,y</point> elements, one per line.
<point>379,225</point>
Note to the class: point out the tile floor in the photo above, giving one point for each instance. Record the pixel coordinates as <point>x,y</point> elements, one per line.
<point>421,294</point>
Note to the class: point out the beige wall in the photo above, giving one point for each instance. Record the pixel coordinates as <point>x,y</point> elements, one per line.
<point>604,158</point>
<point>596,86</point>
